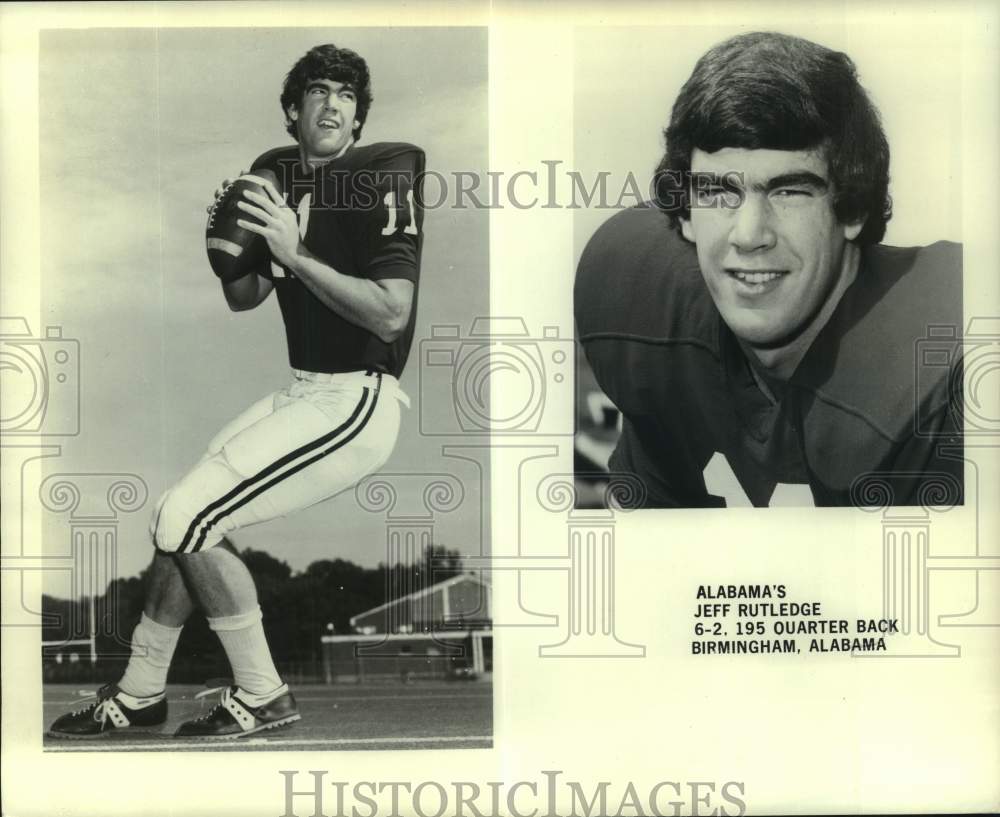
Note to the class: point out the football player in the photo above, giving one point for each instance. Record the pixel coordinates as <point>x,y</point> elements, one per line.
<point>345,239</point>
<point>749,325</point>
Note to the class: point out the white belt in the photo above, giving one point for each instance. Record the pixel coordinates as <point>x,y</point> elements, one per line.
<point>385,383</point>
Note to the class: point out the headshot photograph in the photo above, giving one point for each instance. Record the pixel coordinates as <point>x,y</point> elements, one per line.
<point>754,329</point>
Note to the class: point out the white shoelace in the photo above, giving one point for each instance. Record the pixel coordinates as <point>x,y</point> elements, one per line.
<point>100,707</point>
<point>206,692</point>
<point>226,693</point>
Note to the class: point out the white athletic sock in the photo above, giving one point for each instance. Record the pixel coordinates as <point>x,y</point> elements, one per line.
<point>242,638</point>
<point>259,700</point>
<point>152,648</point>
<point>132,702</point>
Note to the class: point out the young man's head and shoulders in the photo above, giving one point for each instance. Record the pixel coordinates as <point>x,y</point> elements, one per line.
<point>761,255</point>
<point>359,212</point>
<point>775,183</point>
<point>326,98</point>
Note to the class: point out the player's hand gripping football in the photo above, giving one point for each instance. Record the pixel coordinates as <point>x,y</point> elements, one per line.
<point>279,225</point>
<point>220,191</point>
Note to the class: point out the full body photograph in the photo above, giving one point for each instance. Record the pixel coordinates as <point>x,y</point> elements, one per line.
<point>343,229</point>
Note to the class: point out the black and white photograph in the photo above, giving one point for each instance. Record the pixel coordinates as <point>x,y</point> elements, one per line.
<point>372,376</point>
<point>262,547</point>
<point>756,329</point>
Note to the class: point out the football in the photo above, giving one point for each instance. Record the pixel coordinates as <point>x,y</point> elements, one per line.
<point>232,251</point>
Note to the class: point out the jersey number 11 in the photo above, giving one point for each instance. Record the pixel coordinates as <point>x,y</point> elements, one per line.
<point>390,205</point>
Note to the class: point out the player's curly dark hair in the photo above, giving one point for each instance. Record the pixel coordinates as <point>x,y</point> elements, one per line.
<point>769,90</point>
<point>328,62</point>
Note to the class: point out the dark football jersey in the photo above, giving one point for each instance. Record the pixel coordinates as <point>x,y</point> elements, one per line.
<point>362,215</point>
<point>858,404</point>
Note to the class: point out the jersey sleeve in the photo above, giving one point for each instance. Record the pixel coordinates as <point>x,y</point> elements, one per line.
<point>280,160</point>
<point>645,324</point>
<point>670,479</point>
<point>928,466</point>
<point>394,232</point>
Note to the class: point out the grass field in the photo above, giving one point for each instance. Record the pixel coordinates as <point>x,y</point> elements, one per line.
<point>391,715</point>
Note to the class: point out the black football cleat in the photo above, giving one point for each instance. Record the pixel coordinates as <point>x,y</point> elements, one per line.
<point>232,717</point>
<point>109,713</point>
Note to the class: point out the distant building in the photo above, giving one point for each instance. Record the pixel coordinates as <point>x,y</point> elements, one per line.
<point>460,603</point>
<point>441,631</point>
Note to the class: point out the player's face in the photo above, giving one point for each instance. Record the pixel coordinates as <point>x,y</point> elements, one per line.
<point>769,244</point>
<point>325,119</point>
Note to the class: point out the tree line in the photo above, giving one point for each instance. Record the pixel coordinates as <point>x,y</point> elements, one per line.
<point>298,609</point>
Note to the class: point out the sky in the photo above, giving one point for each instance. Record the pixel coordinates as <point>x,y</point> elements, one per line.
<point>137,129</point>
